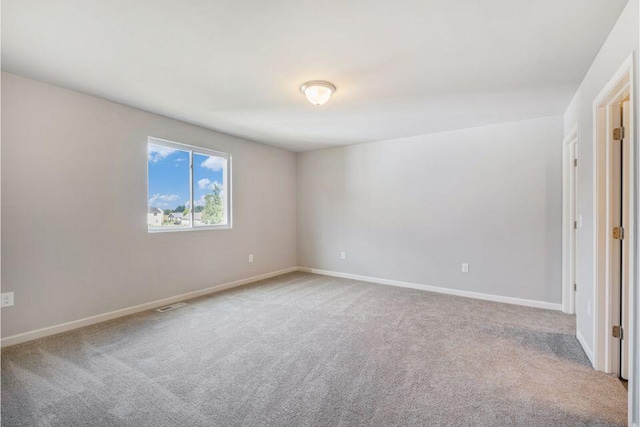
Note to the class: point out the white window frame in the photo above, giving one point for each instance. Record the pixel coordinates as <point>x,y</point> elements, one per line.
<point>226,185</point>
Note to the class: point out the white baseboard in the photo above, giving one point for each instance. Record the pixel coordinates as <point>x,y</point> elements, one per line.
<point>585,347</point>
<point>448,291</point>
<point>64,327</point>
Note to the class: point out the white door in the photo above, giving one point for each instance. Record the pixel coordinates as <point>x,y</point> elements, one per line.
<point>619,242</point>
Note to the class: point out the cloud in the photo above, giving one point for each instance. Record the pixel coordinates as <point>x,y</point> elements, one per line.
<point>157,198</point>
<point>213,163</point>
<point>156,153</point>
<point>204,183</point>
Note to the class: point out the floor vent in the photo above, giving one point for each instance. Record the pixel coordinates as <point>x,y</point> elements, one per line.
<point>171,307</point>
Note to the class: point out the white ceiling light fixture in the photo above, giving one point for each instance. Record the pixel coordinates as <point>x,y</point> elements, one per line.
<point>318,92</point>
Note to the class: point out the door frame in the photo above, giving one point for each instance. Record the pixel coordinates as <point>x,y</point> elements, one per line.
<point>604,345</point>
<point>569,232</point>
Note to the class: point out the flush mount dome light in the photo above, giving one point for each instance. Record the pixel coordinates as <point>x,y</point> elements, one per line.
<point>318,92</point>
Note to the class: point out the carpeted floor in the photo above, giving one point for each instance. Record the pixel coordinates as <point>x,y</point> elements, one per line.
<point>308,350</point>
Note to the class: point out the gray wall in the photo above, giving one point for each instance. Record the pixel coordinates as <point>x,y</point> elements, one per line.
<point>74,234</point>
<point>74,176</point>
<point>415,209</point>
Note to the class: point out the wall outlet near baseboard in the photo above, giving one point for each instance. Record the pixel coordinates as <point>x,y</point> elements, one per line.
<point>343,255</point>
<point>250,257</point>
<point>6,300</point>
<point>465,267</point>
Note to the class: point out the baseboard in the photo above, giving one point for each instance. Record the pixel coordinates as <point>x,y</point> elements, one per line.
<point>68,326</point>
<point>64,327</point>
<point>448,291</point>
<point>586,348</point>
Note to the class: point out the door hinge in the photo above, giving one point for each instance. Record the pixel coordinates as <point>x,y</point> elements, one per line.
<point>575,225</point>
<point>618,332</point>
<point>618,233</point>
<point>618,133</point>
<point>575,287</point>
<point>575,162</point>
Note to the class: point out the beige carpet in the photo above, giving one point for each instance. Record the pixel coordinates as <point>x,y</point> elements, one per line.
<point>308,350</point>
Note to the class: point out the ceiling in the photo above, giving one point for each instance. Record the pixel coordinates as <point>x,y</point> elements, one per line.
<point>402,68</point>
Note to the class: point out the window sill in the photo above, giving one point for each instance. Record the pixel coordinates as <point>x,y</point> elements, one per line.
<point>179,229</point>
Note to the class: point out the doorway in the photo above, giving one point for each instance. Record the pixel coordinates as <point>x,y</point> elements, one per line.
<point>614,230</point>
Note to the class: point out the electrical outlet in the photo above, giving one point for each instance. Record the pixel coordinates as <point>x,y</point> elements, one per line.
<point>343,255</point>
<point>250,257</point>
<point>6,300</point>
<point>465,268</point>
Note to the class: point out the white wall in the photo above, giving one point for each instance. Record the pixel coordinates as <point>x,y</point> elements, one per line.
<point>621,42</point>
<point>74,204</point>
<point>415,209</point>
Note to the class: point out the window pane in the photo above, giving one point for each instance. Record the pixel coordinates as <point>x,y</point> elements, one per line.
<point>210,190</point>
<point>168,187</point>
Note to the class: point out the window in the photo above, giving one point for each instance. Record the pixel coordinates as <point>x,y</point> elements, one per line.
<point>187,187</point>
